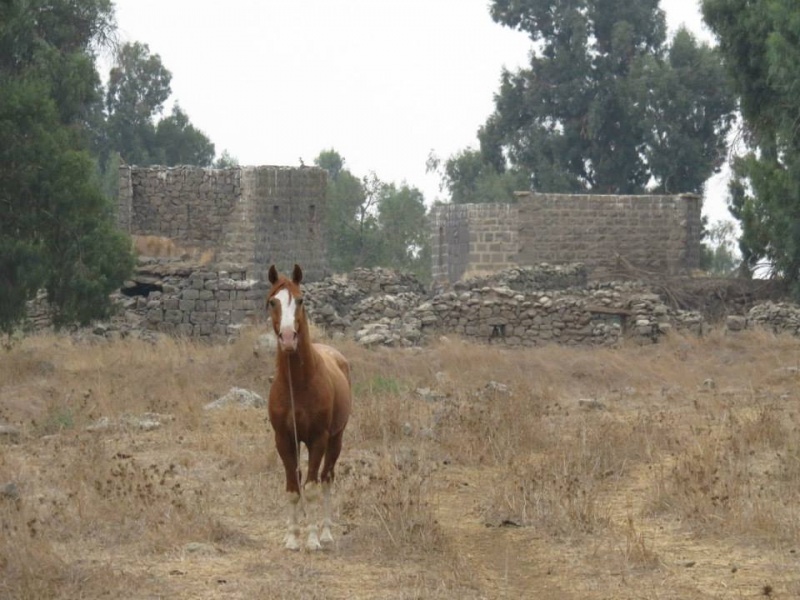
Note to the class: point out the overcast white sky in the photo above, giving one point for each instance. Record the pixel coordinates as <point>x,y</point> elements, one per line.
<point>384,83</point>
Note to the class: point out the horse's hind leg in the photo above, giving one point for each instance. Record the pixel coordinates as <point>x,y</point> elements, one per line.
<point>332,454</point>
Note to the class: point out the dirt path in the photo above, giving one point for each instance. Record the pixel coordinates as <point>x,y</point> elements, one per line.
<point>637,558</point>
<point>508,562</point>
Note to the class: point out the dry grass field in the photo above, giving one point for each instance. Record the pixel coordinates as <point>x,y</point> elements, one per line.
<point>469,471</point>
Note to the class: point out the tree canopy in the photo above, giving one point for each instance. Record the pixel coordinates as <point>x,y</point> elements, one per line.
<point>605,106</point>
<point>718,255</point>
<point>181,143</point>
<point>760,40</point>
<point>470,178</point>
<point>372,223</point>
<point>57,232</point>
<point>138,87</point>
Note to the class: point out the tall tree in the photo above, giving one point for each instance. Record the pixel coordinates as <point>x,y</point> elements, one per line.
<point>404,230</point>
<point>138,87</point>
<point>472,179</point>
<point>56,227</point>
<point>344,215</point>
<point>178,142</point>
<point>588,114</point>
<point>372,223</point>
<point>760,40</point>
<point>719,254</point>
<point>689,108</point>
<point>226,160</point>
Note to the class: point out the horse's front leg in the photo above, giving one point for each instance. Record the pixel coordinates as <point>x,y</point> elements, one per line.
<point>293,526</point>
<point>326,537</point>
<point>288,453</point>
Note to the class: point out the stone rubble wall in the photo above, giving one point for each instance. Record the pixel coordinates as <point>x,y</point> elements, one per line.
<point>521,306</point>
<point>778,317</point>
<point>194,301</point>
<point>542,277</point>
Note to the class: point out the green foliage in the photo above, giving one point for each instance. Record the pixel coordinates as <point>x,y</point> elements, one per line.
<point>380,386</point>
<point>720,256</point>
<point>472,179</point>
<point>180,143</point>
<point>108,176</point>
<point>138,87</point>
<point>56,230</point>
<point>332,162</point>
<point>345,213</point>
<point>403,224</point>
<point>226,160</point>
<point>690,110</point>
<point>371,223</point>
<point>760,41</point>
<point>605,106</point>
<point>88,257</point>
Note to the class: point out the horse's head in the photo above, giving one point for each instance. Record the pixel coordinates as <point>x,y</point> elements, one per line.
<point>285,307</point>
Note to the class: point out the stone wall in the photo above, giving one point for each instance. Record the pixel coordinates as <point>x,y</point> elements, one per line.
<point>192,301</point>
<point>249,216</point>
<point>472,238</point>
<point>289,215</point>
<point>520,306</point>
<point>656,234</point>
<point>652,234</point>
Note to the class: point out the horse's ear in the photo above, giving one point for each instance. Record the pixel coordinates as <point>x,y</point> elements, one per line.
<point>297,274</point>
<point>273,274</point>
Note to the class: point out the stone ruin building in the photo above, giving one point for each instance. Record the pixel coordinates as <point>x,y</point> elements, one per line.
<point>249,217</point>
<point>205,239</point>
<point>649,234</point>
<point>519,274</point>
<point>536,272</point>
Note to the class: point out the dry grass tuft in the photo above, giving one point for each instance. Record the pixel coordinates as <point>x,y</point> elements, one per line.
<point>740,475</point>
<point>154,246</point>
<point>638,552</point>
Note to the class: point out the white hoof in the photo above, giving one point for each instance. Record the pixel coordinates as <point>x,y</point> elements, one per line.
<point>312,545</point>
<point>326,539</point>
<point>292,543</point>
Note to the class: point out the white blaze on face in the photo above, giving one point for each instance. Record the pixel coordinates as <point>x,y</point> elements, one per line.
<point>287,335</point>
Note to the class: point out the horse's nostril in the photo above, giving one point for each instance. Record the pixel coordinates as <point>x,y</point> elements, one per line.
<point>284,337</point>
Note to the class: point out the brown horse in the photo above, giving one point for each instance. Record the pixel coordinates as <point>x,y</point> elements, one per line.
<point>309,402</point>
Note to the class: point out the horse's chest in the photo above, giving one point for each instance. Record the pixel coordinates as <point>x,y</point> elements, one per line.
<point>306,406</point>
